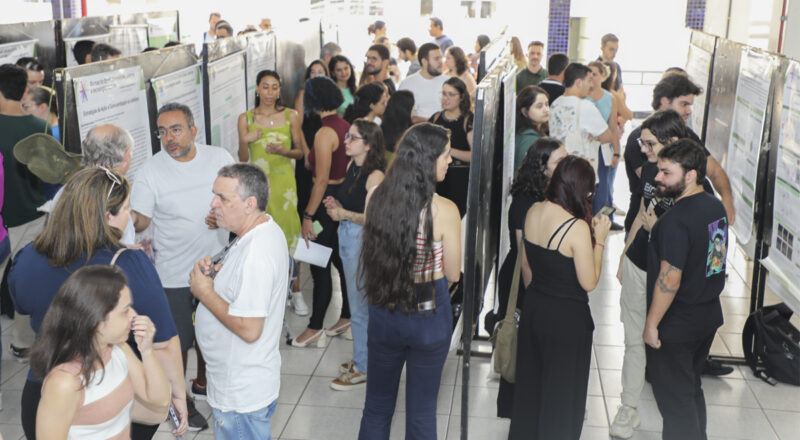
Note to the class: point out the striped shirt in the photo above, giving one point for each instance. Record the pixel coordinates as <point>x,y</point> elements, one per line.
<point>427,264</point>
<point>105,409</point>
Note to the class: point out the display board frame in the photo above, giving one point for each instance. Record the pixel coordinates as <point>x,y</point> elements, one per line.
<point>154,63</point>
<point>49,43</point>
<point>707,43</point>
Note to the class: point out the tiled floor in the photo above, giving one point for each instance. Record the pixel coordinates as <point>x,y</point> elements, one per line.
<point>739,405</point>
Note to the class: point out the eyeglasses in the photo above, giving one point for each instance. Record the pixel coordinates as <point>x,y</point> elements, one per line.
<point>174,131</point>
<point>371,59</point>
<point>644,143</point>
<point>349,136</point>
<point>115,180</point>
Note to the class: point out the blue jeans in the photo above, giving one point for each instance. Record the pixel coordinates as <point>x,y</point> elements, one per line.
<point>420,341</point>
<point>231,425</point>
<point>604,195</point>
<point>349,251</point>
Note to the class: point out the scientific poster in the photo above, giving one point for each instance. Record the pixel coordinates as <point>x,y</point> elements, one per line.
<point>785,243</point>
<point>162,30</point>
<point>226,90</point>
<point>260,56</point>
<point>130,39</point>
<point>11,52</point>
<point>116,97</point>
<point>744,146</point>
<point>509,123</point>
<point>698,66</point>
<point>70,44</point>
<point>184,86</point>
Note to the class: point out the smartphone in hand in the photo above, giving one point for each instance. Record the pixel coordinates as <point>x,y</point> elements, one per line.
<point>606,210</point>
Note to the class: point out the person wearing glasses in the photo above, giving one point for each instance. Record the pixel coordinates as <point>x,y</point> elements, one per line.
<point>85,229</point>
<point>172,192</point>
<point>658,130</point>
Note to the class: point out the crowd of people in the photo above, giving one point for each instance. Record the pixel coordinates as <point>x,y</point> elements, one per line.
<point>376,169</point>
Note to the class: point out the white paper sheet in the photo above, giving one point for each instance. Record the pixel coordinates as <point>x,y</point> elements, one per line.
<point>315,254</point>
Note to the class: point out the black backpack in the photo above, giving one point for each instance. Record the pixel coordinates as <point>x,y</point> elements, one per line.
<point>776,354</point>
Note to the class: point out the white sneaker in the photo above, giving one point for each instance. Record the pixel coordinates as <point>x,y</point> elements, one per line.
<point>625,422</point>
<point>299,304</point>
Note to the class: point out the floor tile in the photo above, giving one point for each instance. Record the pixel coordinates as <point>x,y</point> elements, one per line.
<point>609,357</point>
<point>318,422</point>
<point>786,424</point>
<point>319,393</point>
<point>292,387</point>
<point>738,423</point>
<point>479,428</point>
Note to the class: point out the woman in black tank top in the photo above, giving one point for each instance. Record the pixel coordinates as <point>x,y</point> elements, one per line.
<point>456,116</point>
<point>555,332</point>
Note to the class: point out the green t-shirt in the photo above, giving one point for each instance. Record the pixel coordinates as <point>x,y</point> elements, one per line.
<point>522,142</point>
<point>348,99</point>
<point>525,78</point>
<point>23,190</point>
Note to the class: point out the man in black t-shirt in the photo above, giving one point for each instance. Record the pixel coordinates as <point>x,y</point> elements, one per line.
<point>554,83</point>
<point>674,92</point>
<point>376,63</point>
<point>685,276</point>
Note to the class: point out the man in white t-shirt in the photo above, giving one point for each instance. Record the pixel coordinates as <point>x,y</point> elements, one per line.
<point>426,85</point>
<point>576,121</point>
<point>172,191</point>
<point>240,317</point>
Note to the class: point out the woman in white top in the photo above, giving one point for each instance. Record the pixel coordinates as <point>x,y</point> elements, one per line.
<point>81,347</point>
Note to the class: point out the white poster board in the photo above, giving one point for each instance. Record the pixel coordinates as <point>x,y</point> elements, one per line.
<point>116,97</point>
<point>747,129</point>
<point>784,253</point>
<point>698,66</point>
<point>185,87</point>
<point>130,39</point>
<point>162,30</point>
<point>226,97</point>
<point>509,124</point>
<point>70,45</point>
<point>11,52</point>
<point>260,56</point>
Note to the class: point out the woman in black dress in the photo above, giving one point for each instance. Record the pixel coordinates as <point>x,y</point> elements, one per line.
<point>456,115</point>
<point>562,260</point>
<point>528,188</point>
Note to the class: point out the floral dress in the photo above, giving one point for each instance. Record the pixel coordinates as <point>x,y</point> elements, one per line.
<point>282,206</point>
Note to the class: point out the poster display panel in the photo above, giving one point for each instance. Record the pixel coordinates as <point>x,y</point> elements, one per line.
<point>130,39</point>
<point>509,124</point>
<point>698,66</point>
<point>784,255</point>
<point>227,100</point>
<point>260,56</point>
<point>69,43</point>
<point>747,129</point>
<point>184,86</point>
<point>116,97</point>
<point>11,52</point>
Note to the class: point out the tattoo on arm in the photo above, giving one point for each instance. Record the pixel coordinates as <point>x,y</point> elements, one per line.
<point>662,280</point>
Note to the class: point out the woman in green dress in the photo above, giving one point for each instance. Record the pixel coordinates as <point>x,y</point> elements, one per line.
<point>270,136</point>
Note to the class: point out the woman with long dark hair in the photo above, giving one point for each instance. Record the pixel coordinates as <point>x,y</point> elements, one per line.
<point>533,112</point>
<point>528,188</point>
<point>411,249</point>
<point>397,117</point>
<point>364,146</point>
<point>270,136</point>
<point>90,374</point>
<point>328,161</point>
<point>343,72</point>
<point>370,103</point>
<point>84,229</point>
<point>563,254</point>
<point>456,116</point>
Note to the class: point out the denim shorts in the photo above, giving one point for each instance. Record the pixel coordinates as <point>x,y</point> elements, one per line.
<point>232,425</point>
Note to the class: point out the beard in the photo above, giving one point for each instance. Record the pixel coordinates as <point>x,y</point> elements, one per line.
<point>369,70</point>
<point>672,192</point>
<point>433,72</point>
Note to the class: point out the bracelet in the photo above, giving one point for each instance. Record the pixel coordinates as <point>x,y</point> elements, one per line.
<point>308,216</point>
<point>617,155</point>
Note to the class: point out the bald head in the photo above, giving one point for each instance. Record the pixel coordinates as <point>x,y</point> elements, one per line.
<point>108,145</point>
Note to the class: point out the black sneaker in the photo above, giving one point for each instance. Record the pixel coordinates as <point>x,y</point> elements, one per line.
<point>196,420</point>
<point>196,390</point>
<point>716,368</point>
<point>21,354</point>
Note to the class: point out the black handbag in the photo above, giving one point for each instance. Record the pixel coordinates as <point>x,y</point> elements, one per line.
<point>776,349</point>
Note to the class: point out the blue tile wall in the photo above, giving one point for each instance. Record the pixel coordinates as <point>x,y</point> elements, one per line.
<point>558,27</point>
<point>695,14</point>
